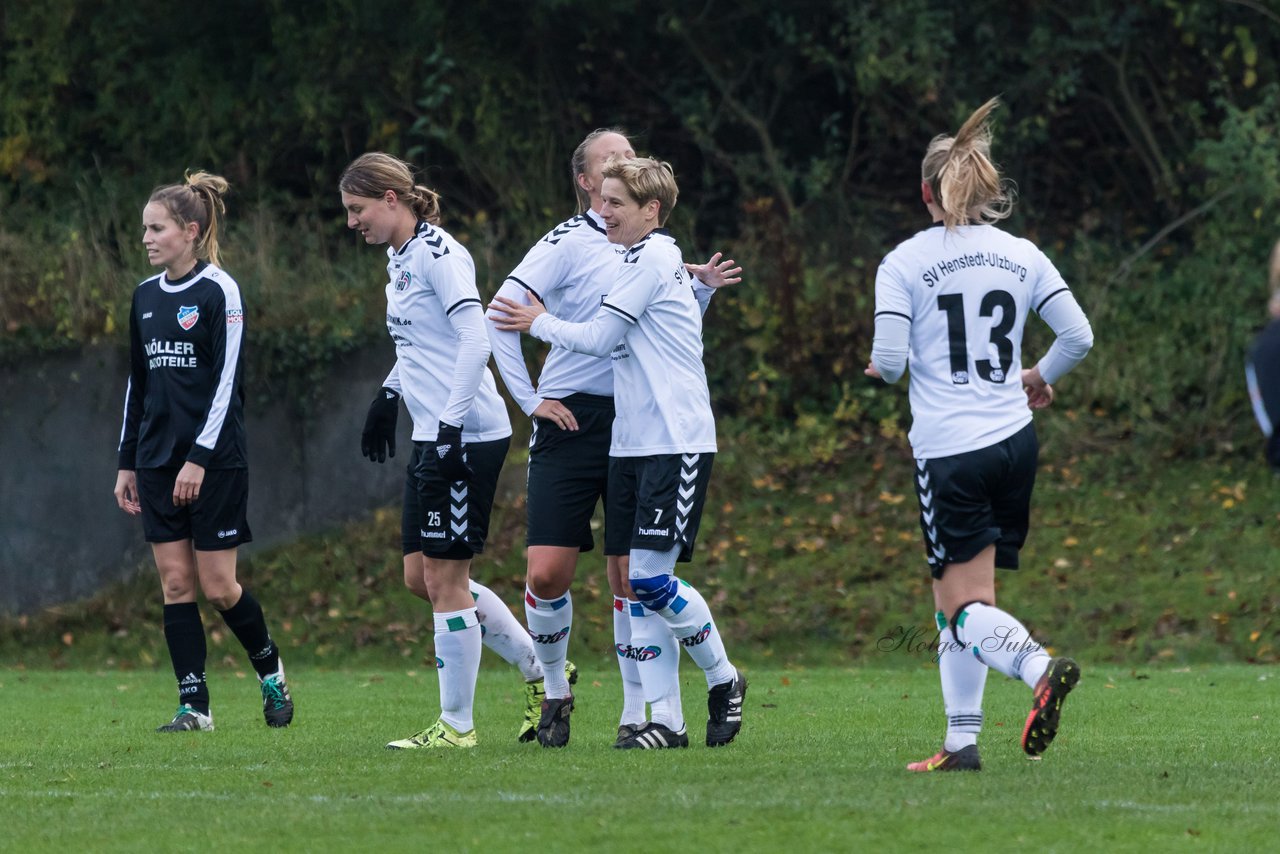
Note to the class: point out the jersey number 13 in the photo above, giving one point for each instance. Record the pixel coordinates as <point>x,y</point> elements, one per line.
<point>953,305</point>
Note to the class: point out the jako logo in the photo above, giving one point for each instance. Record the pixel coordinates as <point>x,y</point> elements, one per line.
<point>628,651</point>
<point>694,640</point>
<point>553,638</point>
<point>222,535</point>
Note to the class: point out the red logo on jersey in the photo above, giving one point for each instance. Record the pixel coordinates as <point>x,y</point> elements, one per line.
<point>188,316</point>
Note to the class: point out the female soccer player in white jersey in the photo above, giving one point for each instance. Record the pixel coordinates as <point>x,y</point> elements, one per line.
<point>663,437</point>
<point>570,270</point>
<point>951,304</point>
<point>460,428</point>
<point>182,461</point>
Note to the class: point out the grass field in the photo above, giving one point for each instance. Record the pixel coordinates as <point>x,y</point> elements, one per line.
<point>1148,759</point>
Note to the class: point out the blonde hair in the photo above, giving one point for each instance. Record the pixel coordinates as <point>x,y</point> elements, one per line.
<point>198,199</point>
<point>578,163</point>
<point>370,175</point>
<point>646,179</point>
<point>965,183</point>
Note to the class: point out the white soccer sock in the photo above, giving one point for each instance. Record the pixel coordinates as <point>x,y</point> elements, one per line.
<point>457,665</point>
<point>689,618</point>
<point>963,679</point>
<point>1002,642</point>
<point>502,632</point>
<point>549,623</point>
<point>658,663</point>
<point>633,711</point>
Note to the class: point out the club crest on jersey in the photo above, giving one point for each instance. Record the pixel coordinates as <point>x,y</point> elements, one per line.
<point>403,280</point>
<point>188,316</point>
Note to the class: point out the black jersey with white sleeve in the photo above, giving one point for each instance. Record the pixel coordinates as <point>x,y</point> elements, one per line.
<point>185,396</point>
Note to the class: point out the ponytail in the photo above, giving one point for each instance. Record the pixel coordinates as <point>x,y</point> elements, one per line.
<point>197,199</point>
<point>965,183</point>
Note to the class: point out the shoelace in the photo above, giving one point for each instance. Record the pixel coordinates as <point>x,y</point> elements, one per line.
<point>275,694</point>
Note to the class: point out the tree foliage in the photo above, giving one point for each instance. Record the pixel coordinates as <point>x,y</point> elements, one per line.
<point>1142,138</point>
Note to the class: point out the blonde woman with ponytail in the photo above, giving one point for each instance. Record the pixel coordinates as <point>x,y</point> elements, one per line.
<point>951,306</point>
<point>182,456</point>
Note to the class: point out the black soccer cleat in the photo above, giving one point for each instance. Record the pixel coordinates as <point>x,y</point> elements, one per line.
<point>724,710</point>
<point>277,705</point>
<point>1042,722</point>
<point>964,759</point>
<point>553,725</point>
<point>187,719</point>
<point>651,736</point>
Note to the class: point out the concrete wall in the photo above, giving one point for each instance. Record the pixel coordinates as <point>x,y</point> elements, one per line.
<point>62,537</point>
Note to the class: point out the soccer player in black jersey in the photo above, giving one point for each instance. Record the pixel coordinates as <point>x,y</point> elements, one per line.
<point>182,461</point>
<point>952,303</point>
<point>1262,370</point>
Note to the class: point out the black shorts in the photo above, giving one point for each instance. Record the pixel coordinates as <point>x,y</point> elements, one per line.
<point>568,474</point>
<point>658,500</point>
<point>971,500</point>
<point>446,520</point>
<point>216,520</point>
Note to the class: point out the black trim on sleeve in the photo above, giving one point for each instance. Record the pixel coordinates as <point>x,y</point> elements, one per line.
<point>619,312</point>
<point>1049,297</point>
<point>526,287</point>
<point>895,314</point>
<point>459,304</point>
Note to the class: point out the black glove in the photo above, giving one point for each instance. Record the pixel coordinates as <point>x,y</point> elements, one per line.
<point>378,441</point>
<point>449,454</point>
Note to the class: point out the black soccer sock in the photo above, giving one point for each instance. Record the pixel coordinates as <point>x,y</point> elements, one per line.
<point>184,633</point>
<point>250,628</point>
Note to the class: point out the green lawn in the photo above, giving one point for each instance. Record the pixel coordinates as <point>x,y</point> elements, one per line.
<point>1148,759</point>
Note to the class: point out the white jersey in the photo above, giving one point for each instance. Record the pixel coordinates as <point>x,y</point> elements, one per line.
<point>966,294</point>
<point>436,320</point>
<point>569,270</point>
<point>650,325</point>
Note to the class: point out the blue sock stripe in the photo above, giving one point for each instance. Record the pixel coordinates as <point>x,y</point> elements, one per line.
<point>678,604</point>
<point>637,610</point>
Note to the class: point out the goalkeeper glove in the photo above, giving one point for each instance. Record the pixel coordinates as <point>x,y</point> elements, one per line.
<point>453,467</point>
<point>378,441</point>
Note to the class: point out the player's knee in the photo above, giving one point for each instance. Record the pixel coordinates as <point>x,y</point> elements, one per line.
<point>958,616</point>
<point>655,592</point>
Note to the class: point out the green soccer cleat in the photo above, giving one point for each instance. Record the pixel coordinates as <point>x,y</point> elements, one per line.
<point>534,693</point>
<point>187,719</point>
<point>437,736</point>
